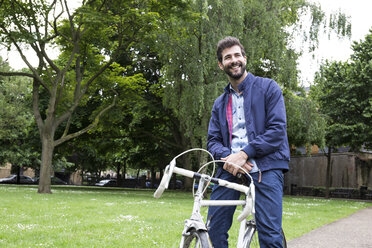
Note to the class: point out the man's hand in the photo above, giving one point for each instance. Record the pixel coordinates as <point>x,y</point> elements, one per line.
<point>239,159</point>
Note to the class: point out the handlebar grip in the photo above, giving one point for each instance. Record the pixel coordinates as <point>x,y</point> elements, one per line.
<point>165,180</point>
<point>159,191</point>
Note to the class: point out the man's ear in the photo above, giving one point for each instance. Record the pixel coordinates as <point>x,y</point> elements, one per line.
<point>220,65</point>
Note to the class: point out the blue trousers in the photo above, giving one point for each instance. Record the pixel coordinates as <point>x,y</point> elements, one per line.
<point>269,199</point>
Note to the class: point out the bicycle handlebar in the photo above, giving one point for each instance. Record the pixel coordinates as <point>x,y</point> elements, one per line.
<point>166,178</point>
<point>191,174</point>
<point>248,191</point>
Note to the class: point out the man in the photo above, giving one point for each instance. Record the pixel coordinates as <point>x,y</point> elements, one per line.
<point>248,128</point>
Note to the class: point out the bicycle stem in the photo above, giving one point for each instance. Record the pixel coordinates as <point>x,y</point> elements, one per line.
<point>199,196</point>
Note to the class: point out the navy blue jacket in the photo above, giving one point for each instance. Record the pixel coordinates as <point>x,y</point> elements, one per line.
<point>265,124</point>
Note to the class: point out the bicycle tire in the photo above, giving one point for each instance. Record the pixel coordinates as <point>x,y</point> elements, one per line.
<point>251,238</point>
<point>284,240</point>
<point>197,239</point>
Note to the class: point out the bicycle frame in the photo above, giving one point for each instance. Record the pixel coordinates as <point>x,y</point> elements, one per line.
<point>196,219</point>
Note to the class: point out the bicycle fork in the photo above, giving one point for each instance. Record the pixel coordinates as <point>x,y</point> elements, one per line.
<point>196,220</point>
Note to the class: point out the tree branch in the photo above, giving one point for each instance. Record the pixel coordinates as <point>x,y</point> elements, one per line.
<point>70,18</point>
<point>12,74</point>
<point>54,25</point>
<point>91,126</point>
<point>67,126</point>
<point>78,95</point>
<point>60,90</point>
<point>35,105</point>
<point>36,75</point>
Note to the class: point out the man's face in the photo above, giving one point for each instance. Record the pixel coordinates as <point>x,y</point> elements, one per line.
<point>233,62</point>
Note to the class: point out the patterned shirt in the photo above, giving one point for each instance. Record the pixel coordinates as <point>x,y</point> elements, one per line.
<point>239,132</point>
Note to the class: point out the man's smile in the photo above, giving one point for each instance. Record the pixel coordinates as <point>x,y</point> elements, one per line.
<point>236,66</point>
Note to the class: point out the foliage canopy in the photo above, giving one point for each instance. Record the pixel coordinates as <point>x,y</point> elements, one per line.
<point>344,93</point>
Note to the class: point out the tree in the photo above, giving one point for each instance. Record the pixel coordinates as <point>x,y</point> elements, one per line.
<point>305,125</point>
<point>343,91</point>
<point>16,122</point>
<point>135,134</point>
<point>139,132</point>
<point>90,38</point>
<point>187,48</point>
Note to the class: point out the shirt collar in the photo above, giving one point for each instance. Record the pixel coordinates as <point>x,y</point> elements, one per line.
<point>232,89</point>
<point>242,85</point>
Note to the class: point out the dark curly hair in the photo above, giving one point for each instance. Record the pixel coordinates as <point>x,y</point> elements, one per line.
<point>228,42</point>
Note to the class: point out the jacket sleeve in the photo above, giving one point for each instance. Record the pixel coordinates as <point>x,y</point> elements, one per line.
<point>215,143</point>
<point>275,125</point>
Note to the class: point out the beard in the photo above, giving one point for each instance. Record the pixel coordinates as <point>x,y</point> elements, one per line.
<point>235,75</point>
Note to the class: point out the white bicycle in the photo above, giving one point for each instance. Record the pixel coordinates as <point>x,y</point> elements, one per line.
<point>195,232</point>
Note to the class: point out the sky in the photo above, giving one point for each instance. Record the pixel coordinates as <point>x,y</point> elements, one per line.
<point>333,49</point>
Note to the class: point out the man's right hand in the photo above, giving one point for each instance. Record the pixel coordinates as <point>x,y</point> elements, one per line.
<point>239,159</point>
<point>248,166</point>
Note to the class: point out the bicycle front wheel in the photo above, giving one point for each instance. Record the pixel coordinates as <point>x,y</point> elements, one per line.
<point>197,239</point>
<point>251,237</point>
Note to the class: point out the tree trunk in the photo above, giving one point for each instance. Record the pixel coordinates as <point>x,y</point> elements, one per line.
<point>137,180</point>
<point>18,174</point>
<point>118,176</point>
<point>186,159</point>
<point>124,169</point>
<point>153,175</point>
<point>328,173</point>
<point>46,164</point>
<point>161,174</point>
<point>173,181</point>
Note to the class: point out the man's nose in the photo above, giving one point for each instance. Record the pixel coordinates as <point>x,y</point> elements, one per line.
<point>234,59</point>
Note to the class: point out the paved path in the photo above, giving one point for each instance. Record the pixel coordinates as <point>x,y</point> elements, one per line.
<point>352,231</point>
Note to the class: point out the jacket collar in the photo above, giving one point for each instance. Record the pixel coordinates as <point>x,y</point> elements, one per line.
<point>243,85</point>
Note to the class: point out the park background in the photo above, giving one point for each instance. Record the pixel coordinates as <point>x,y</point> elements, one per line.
<point>126,86</point>
<point>121,87</point>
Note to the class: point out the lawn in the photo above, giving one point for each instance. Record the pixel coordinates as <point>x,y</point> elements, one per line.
<point>101,217</point>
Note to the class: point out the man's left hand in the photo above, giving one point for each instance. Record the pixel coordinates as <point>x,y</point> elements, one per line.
<point>239,159</point>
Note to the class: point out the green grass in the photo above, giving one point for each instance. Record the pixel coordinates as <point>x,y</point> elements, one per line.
<point>97,217</point>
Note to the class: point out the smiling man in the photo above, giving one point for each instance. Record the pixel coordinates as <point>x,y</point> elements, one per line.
<point>248,128</point>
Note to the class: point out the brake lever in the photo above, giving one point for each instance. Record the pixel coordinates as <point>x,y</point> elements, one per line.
<point>242,179</point>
